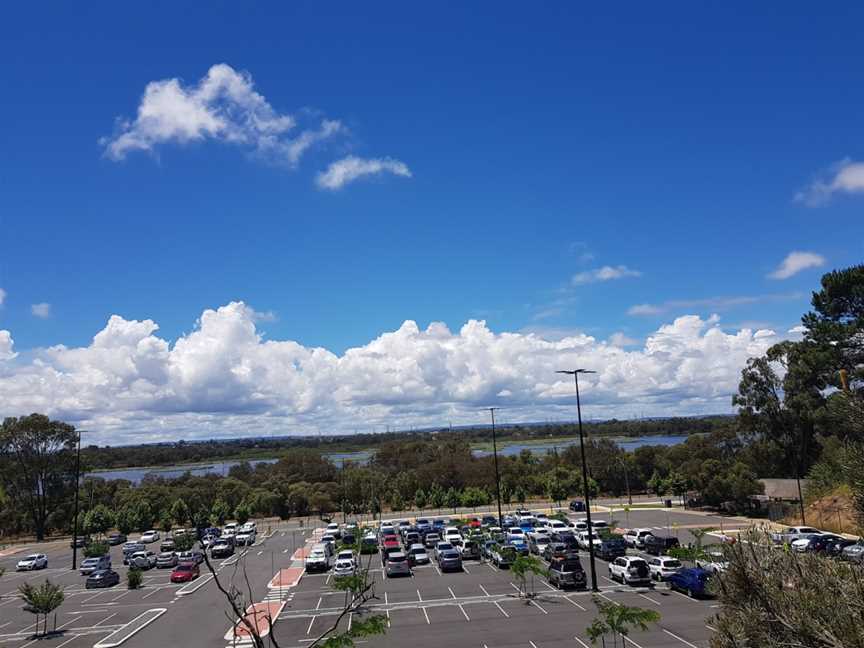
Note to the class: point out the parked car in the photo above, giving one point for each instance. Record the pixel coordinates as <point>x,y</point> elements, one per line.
<point>344,567</point>
<point>712,562</point>
<point>441,546</point>
<point>31,562</point>
<point>102,578</point>
<point>815,544</point>
<point>662,567</point>
<point>166,559</point>
<point>150,536</point>
<point>222,548</point>
<point>567,572</point>
<point>836,547</point>
<point>418,555</point>
<point>537,543</point>
<point>334,530</point>
<point>431,540</point>
<point>369,544</point>
<point>692,581</point>
<point>658,545</point>
<point>116,538</point>
<point>131,548</point>
<point>320,558</point>
<point>577,506</point>
<point>90,565</point>
<point>636,537</point>
<point>142,560</point>
<point>630,570</point>
<point>854,552</point>
<point>397,565</point>
<point>246,537</point>
<point>610,549</point>
<point>449,560</point>
<point>471,550</point>
<point>584,537</point>
<point>190,556</point>
<point>79,542</point>
<point>555,550</point>
<point>503,555</point>
<point>185,572</point>
<point>167,545</point>
<point>519,545</point>
<point>791,534</point>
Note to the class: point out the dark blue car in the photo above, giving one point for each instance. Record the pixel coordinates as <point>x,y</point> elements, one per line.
<point>693,582</point>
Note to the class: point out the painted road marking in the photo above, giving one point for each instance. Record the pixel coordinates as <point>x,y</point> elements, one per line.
<point>684,641</point>
<point>569,600</point>
<point>484,589</point>
<point>426,615</point>
<point>498,605</point>
<point>127,631</point>
<point>648,598</point>
<point>68,622</point>
<point>309,629</point>
<point>626,638</point>
<point>465,569</point>
<point>105,619</point>
<point>450,589</point>
<point>467,618</point>
<point>419,598</point>
<point>194,586</point>
<point>533,645</point>
<point>579,641</point>
<point>537,605</point>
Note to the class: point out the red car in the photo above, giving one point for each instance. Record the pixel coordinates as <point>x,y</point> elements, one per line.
<point>185,572</point>
<point>474,523</point>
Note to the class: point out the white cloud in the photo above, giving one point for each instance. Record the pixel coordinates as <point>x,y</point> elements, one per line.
<point>845,176</point>
<point>621,340</point>
<point>224,379</point>
<point>710,303</point>
<point>42,311</point>
<point>348,169</point>
<point>795,262</point>
<point>2,296</point>
<point>606,273</point>
<point>6,346</point>
<point>223,107</point>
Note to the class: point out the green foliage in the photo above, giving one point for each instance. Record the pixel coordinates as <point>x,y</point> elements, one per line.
<point>134,578</point>
<point>98,520</point>
<point>658,485</point>
<point>772,599</point>
<point>125,520</point>
<point>437,496</point>
<point>522,567</point>
<point>184,542</point>
<point>96,549</point>
<point>618,620</point>
<point>41,600</point>
<point>180,512</point>
<point>420,499</point>
<point>241,513</point>
<point>165,522</point>
<point>474,496</point>
<point>220,511</point>
<point>452,498</point>
<point>366,626</point>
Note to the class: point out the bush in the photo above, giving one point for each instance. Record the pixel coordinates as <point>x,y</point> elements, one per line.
<point>95,549</point>
<point>134,578</point>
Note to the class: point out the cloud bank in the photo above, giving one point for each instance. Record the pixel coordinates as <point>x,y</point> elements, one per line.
<point>225,379</point>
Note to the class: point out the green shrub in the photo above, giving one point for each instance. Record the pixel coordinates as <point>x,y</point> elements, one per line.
<point>96,549</point>
<point>134,578</point>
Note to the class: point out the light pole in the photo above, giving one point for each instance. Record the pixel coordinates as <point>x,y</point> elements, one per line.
<point>575,373</point>
<point>497,476</point>
<point>75,511</point>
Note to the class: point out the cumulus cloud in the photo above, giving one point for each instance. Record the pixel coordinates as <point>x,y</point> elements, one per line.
<point>621,340</point>
<point>710,303</point>
<point>606,273</point>
<point>348,169</point>
<point>795,262</point>
<point>41,310</point>
<point>223,106</point>
<point>844,177</point>
<point>6,344</point>
<point>224,379</point>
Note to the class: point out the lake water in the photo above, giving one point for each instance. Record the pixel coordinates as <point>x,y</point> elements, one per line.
<point>135,475</point>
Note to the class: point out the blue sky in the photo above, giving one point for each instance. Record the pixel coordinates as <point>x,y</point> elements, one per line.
<point>537,146</point>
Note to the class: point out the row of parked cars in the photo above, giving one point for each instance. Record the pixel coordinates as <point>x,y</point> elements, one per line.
<point>805,539</point>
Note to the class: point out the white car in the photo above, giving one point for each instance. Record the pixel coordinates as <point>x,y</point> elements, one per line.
<point>333,529</point>
<point>246,537</point>
<point>630,570</point>
<point>582,539</point>
<point>713,562</point>
<point>663,567</point>
<point>150,536</point>
<point>31,562</point>
<point>231,526</point>
<point>515,531</point>
<point>636,537</point>
<point>451,532</point>
<point>418,554</point>
<point>345,554</point>
<point>344,568</point>
<point>599,525</point>
<point>556,525</point>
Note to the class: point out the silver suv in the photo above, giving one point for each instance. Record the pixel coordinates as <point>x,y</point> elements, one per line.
<point>397,565</point>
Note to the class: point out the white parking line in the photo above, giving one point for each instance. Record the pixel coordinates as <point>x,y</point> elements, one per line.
<point>484,589</point>
<point>152,593</point>
<point>650,599</point>
<point>626,638</point>
<point>537,605</point>
<point>105,619</point>
<point>581,643</point>
<point>309,629</point>
<point>684,596</point>
<point>464,613</point>
<point>68,622</point>
<point>387,602</point>
<point>426,615</point>
<point>122,594</point>
<point>571,601</point>
<point>350,618</point>
<point>507,616</point>
<point>684,641</point>
<point>548,586</point>
<point>436,569</point>
<point>71,639</point>
<point>450,589</point>
<point>89,598</point>
<point>533,645</point>
<point>712,629</point>
<point>419,598</point>
<point>492,567</point>
<point>465,569</point>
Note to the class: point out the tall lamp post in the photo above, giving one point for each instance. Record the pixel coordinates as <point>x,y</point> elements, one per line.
<point>575,373</point>
<point>75,513</point>
<point>497,476</point>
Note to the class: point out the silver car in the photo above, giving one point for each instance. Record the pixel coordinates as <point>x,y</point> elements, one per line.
<point>344,567</point>
<point>397,565</point>
<point>90,565</point>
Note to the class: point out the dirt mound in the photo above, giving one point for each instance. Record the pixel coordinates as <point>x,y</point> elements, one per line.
<point>832,512</point>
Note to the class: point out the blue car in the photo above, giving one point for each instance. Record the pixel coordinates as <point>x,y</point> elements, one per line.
<point>519,545</point>
<point>693,582</point>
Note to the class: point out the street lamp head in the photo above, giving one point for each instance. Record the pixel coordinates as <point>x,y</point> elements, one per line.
<point>576,371</point>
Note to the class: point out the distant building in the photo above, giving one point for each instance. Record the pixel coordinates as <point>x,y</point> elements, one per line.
<point>778,495</point>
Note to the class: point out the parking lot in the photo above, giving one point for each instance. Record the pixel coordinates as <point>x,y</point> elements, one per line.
<point>477,607</point>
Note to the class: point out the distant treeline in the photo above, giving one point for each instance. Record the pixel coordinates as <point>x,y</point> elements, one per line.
<point>181,452</point>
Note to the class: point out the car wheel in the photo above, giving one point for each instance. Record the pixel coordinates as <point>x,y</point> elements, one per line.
<point>690,593</point>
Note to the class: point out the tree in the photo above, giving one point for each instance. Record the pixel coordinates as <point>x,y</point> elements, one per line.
<point>677,483</point>
<point>437,496</point>
<point>98,520</point>
<point>37,464</point>
<point>41,600</point>
<point>618,620</point>
<point>241,513</point>
<point>452,498</point>
<point>420,499</point>
<point>773,599</point>
<point>180,512</point>
<point>658,484</point>
<point>125,520</point>
<point>220,511</point>
<point>519,494</point>
<point>522,567</point>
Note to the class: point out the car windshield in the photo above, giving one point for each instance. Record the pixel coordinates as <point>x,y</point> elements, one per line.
<point>571,565</point>
<point>33,557</point>
<point>315,554</point>
<point>672,563</point>
<point>396,559</point>
<point>184,568</point>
